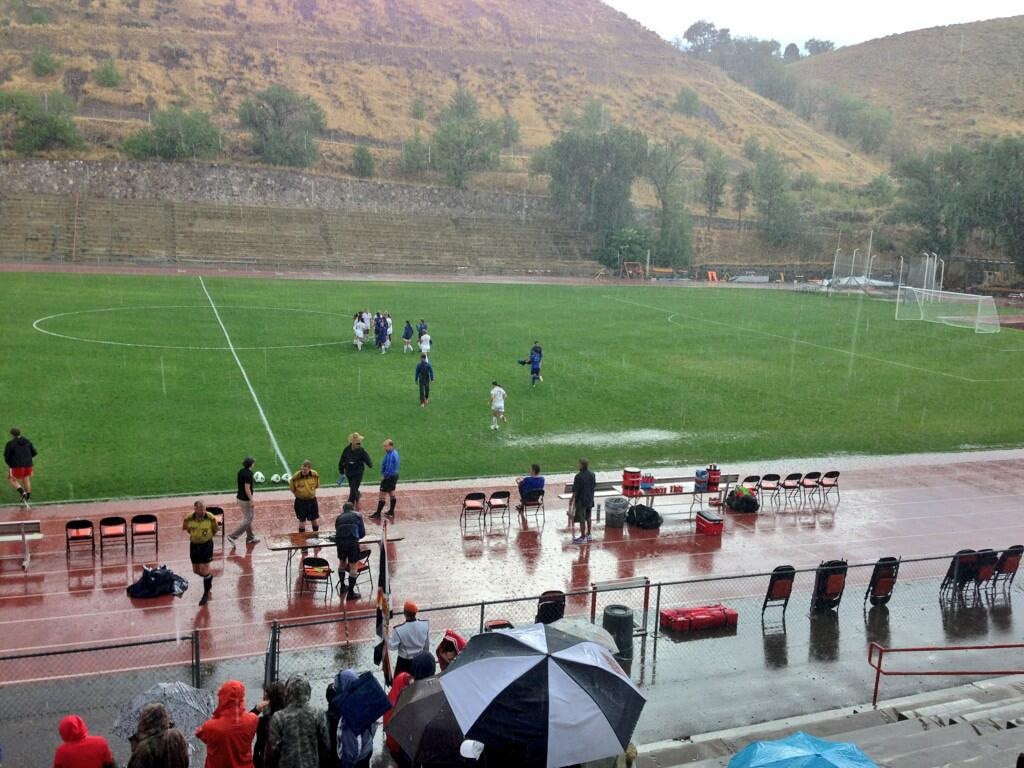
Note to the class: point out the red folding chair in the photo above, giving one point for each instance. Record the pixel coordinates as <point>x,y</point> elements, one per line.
<point>830,482</point>
<point>1006,567</point>
<point>751,482</point>
<point>983,574</point>
<point>499,501</point>
<point>113,529</point>
<point>960,572</point>
<point>534,502</point>
<point>829,585</point>
<point>771,485</point>
<point>780,587</point>
<point>790,487</point>
<point>810,485</point>
<point>883,580</point>
<point>79,534</point>
<point>145,527</point>
<point>316,572</point>
<point>475,502</point>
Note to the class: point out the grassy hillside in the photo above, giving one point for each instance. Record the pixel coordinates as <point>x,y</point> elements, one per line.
<point>963,82</point>
<point>367,62</point>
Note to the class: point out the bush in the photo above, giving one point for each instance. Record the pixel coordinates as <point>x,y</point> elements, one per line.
<point>107,74</point>
<point>44,63</point>
<point>418,110</point>
<point>880,190</point>
<point>687,102</point>
<point>38,16</point>
<point>283,124</point>
<point>626,244</point>
<point>41,122</point>
<point>176,135</point>
<point>415,155</point>
<point>363,164</point>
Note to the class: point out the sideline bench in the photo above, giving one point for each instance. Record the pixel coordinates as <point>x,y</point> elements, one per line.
<point>23,531</point>
<point>614,488</point>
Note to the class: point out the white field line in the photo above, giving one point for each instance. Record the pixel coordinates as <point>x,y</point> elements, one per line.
<point>234,354</point>
<point>792,340</point>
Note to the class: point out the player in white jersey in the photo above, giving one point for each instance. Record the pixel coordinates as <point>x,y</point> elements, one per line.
<point>425,345</point>
<point>358,332</point>
<point>498,396</point>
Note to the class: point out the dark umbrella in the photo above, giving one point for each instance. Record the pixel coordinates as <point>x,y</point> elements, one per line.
<point>423,724</point>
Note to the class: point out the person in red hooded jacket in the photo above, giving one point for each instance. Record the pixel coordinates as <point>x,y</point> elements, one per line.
<point>229,733</point>
<point>449,648</point>
<point>80,750</point>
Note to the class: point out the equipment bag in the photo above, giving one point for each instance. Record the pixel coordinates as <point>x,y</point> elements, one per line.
<point>643,516</point>
<point>158,581</point>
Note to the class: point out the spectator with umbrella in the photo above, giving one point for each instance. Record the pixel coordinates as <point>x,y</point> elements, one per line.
<point>229,733</point>
<point>156,743</point>
<point>353,746</point>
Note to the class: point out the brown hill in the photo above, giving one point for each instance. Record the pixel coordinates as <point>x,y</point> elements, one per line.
<point>963,82</point>
<point>367,61</point>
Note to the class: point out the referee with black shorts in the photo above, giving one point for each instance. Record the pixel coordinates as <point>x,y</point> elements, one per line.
<point>304,484</point>
<point>201,527</point>
<point>348,530</point>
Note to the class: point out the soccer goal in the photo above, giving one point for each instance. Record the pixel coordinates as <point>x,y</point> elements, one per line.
<point>961,310</point>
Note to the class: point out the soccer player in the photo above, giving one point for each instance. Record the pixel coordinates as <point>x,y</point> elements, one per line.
<point>424,375</point>
<point>498,396</point>
<point>425,342</point>
<point>18,455</point>
<point>407,337</point>
<point>388,479</point>
<point>201,527</point>
<point>246,481</point>
<point>390,324</point>
<point>421,328</point>
<point>359,331</point>
<point>536,355</point>
<point>303,485</point>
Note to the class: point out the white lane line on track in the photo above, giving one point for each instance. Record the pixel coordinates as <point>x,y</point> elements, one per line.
<point>255,399</point>
<point>792,340</point>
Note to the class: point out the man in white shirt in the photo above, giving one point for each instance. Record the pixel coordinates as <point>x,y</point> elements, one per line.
<point>425,345</point>
<point>498,396</point>
<point>408,639</point>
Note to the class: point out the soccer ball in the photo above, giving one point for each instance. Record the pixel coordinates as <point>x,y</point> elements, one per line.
<point>275,478</point>
<point>258,477</point>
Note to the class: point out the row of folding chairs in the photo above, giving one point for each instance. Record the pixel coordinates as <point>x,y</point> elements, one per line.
<point>120,532</point>
<point>498,502</point>
<point>795,486</point>
<point>830,584</point>
<point>978,569</point>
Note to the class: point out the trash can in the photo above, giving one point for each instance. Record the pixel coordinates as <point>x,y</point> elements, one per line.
<point>615,512</point>
<point>618,620</point>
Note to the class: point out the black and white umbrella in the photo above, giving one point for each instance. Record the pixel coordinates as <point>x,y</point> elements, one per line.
<point>546,697</point>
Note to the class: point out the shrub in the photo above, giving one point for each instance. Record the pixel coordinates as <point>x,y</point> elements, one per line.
<point>418,110</point>
<point>44,63</point>
<point>283,124</point>
<point>363,164</point>
<point>39,16</point>
<point>107,75</point>
<point>415,155</point>
<point>687,102</point>
<point>176,135</point>
<point>41,122</point>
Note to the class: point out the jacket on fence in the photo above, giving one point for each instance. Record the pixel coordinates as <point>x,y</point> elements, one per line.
<point>229,733</point>
<point>156,744</point>
<point>19,452</point>
<point>353,461</point>
<point>80,750</point>
<point>298,733</point>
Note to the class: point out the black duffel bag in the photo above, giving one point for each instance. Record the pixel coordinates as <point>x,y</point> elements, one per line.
<point>743,503</point>
<point>643,516</point>
<point>158,581</point>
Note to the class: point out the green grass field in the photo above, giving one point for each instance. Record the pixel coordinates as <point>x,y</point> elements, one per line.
<point>146,398</point>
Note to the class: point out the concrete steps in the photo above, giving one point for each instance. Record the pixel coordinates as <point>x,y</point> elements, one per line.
<point>977,725</point>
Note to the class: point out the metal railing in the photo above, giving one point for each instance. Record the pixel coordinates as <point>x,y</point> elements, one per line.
<point>877,653</point>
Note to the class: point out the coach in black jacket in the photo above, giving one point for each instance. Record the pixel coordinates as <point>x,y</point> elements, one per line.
<point>354,461</point>
<point>18,455</point>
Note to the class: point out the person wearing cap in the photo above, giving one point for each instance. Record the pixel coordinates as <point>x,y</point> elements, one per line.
<point>409,639</point>
<point>353,462</point>
<point>246,483</point>
<point>303,485</point>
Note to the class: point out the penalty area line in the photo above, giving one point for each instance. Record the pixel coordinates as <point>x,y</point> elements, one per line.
<point>245,376</point>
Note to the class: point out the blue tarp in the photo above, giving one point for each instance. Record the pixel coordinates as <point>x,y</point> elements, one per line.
<point>801,750</point>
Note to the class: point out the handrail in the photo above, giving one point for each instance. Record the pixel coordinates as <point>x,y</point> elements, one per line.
<point>876,662</point>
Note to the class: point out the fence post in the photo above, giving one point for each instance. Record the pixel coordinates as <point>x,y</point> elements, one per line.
<point>197,675</point>
<point>482,606</point>
<point>270,663</point>
<point>657,609</point>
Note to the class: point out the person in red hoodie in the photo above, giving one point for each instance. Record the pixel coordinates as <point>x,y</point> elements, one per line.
<point>229,733</point>
<point>80,750</point>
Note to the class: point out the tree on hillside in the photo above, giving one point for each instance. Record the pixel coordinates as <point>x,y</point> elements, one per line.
<point>38,122</point>
<point>713,184</point>
<point>284,125</point>
<point>742,188</point>
<point>998,193</point>
<point>415,154</point>
<point>176,135</point>
<point>814,46</point>
<point>464,141</point>
<point>363,164</point>
<point>935,196</point>
<point>664,169</point>
<point>791,54</point>
<point>687,102</point>
<point>703,37</point>
<point>509,131</point>
<point>777,208</point>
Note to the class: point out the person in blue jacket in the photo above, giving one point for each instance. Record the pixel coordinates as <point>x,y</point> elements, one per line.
<point>424,375</point>
<point>536,355</point>
<point>353,749</point>
<point>388,479</point>
<point>407,337</point>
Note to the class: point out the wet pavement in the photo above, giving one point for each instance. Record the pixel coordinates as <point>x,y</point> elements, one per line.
<point>693,684</point>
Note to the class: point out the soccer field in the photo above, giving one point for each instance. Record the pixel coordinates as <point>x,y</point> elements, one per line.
<point>133,385</point>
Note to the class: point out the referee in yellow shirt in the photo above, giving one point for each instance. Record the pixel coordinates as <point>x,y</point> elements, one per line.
<point>201,527</point>
<point>303,485</point>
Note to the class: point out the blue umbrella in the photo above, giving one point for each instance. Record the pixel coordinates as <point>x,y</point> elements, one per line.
<point>801,750</point>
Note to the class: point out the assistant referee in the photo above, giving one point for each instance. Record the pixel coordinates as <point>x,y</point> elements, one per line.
<point>201,527</point>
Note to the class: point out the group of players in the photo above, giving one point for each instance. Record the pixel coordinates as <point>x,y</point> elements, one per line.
<point>381,326</point>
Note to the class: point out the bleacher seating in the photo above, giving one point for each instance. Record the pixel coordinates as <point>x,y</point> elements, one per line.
<point>52,228</point>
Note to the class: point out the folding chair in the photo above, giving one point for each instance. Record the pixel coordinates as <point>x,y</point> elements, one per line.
<point>810,485</point>
<point>218,515</point>
<point>960,572</point>
<point>474,502</point>
<point>498,501</point>
<point>316,572</point>
<point>1006,566</point>
<point>829,585</point>
<point>829,482</point>
<point>145,527</point>
<point>790,487</point>
<point>883,580</point>
<point>79,533</point>
<point>492,624</point>
<point>534,502</point>
<point>113,529</point>
<point>751,482</point>
<point>983,574</point>
<point>550,606</point>
<point>780,587</point>
<point>770,485</point>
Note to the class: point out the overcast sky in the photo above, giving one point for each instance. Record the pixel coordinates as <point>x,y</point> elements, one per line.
<point>788,21</point>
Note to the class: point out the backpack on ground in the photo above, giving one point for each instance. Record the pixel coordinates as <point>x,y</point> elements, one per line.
<point>643,516</point>
<point>155,582</point>
<point>742,500</point>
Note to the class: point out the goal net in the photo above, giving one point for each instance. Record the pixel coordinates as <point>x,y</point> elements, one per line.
<point>961,310</point>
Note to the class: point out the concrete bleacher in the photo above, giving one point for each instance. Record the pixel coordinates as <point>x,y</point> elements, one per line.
<point>54,228</point>
<point>977,725</point>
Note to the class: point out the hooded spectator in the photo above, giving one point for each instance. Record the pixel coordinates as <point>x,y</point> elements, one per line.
<point>80,750</point>
<point>273,701</point>
<point>157,743</point>
<point>353,749</point>
<point>449,648</point>
<point>229,733</point>
<point>422,666</point>
<point>298,733</point>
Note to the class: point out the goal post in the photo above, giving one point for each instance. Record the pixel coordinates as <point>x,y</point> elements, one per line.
<point>960,310</point>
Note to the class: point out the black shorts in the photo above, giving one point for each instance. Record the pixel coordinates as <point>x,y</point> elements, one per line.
<point>307,509</point>
<point>201,554</point>
<point>388,484</point>
<point>348,550</point>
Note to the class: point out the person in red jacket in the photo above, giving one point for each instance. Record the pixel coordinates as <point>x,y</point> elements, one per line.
<point>229,733</point>
<point>80,750</point>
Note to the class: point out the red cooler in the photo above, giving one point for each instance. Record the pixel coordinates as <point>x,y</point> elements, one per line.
<point>631,481</point>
